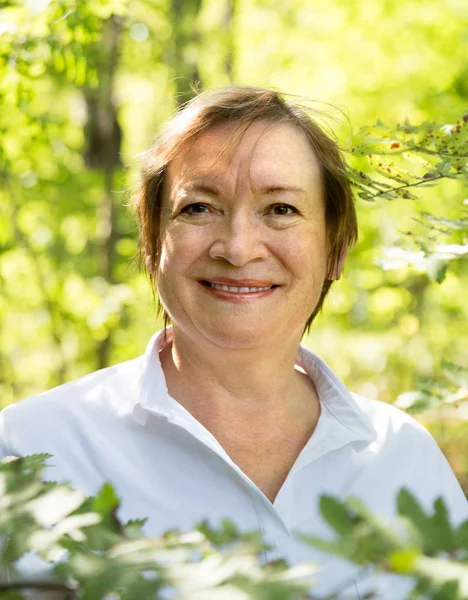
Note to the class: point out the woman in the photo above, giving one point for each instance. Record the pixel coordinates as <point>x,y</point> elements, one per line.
<point>245,217</point>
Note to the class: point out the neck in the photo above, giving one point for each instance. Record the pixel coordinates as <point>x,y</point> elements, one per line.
<point>208,379</point>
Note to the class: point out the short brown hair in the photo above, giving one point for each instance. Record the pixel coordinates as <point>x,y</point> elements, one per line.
<point>241,106</point>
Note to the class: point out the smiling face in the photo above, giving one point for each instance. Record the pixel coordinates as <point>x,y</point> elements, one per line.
<point>243,237</point>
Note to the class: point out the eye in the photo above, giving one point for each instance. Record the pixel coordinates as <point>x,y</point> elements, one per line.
<point>283,210</point>
<point>197,208</point>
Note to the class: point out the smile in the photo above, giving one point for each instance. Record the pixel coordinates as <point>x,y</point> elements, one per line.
<point>237,289</point>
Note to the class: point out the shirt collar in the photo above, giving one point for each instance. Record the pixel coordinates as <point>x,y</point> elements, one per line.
<point>152,390</point>
<point>351,421</point>
<point>335,396</point>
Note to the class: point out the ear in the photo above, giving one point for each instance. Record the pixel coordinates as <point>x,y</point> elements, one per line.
<point>336,272</point>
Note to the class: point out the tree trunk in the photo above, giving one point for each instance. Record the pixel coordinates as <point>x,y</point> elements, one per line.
<point>183,56</point>
<point>103,141</point>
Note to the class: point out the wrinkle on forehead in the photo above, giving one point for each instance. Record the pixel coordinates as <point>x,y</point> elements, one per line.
<point>245,156</point>
<point>225,139</point>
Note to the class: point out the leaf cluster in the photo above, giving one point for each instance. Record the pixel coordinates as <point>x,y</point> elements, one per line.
<point>434,151</point>
<point>449,388</point>
<point>425,546</point>
<point>90,554</point>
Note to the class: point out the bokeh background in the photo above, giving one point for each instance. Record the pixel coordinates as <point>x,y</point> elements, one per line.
<point>85,86</point>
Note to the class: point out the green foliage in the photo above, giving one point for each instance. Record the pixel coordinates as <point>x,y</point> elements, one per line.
<point>92,554</point>
<point>426,547</point>
<point>436,151</point>
<point>450,388</point>
<point>421,156</point>
<point>361,535</point>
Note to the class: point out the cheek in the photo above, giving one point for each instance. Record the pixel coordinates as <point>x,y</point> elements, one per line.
<point>306,255</point>
<point>180,247</point>
<point>170,254</point>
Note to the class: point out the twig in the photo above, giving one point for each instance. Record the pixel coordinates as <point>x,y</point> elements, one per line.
<point>37,585</point>
<point>408,185</point>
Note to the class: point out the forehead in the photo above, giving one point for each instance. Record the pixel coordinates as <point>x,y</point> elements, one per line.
<point>266,153</point>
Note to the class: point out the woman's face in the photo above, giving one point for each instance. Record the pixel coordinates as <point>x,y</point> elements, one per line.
<point>244,242</point>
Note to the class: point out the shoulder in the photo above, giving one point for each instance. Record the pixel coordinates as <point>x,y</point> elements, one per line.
<point>399,438</point>
<point>388,420</point>
<point>405,446</point>
<point>102,392</point>
<point>398,435</point>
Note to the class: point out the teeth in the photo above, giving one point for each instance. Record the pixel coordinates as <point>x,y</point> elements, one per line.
<point>238,290</point>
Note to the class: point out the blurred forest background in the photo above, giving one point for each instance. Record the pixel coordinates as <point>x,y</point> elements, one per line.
<point>84,87</point>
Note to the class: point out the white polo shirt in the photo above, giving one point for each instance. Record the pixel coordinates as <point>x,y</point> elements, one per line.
<point>120,425</point>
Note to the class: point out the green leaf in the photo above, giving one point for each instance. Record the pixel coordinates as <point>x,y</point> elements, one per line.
<point>437,269</point>
<point>460,224</point>
<point>34,464</point>
<point>410,508</point>
<point>461,535</point>
<point>338,515</point>
<point>225,534</point>
<point>106,500</point>
<point>448,591</point>
<point>104,582</point>
<point>435,531</point>
<point>442,527</point>
<point>135,527</point>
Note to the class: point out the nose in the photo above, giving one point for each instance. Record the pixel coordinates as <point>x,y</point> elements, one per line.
<point>239,241</point>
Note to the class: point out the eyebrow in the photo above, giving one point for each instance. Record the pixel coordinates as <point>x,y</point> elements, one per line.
<point>273,189</point>
<point>203,188</point>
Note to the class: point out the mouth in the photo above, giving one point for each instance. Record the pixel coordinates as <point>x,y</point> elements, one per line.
<point>241,287</point>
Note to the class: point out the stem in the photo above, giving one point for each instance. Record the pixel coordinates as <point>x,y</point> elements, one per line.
<point>409,185</point>
<point>43,586</point>
<point>423,150</point>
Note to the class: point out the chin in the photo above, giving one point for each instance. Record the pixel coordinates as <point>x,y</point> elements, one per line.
<point>238,337</point>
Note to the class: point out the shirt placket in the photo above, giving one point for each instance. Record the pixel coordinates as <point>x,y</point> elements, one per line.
<point>273,518</point>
